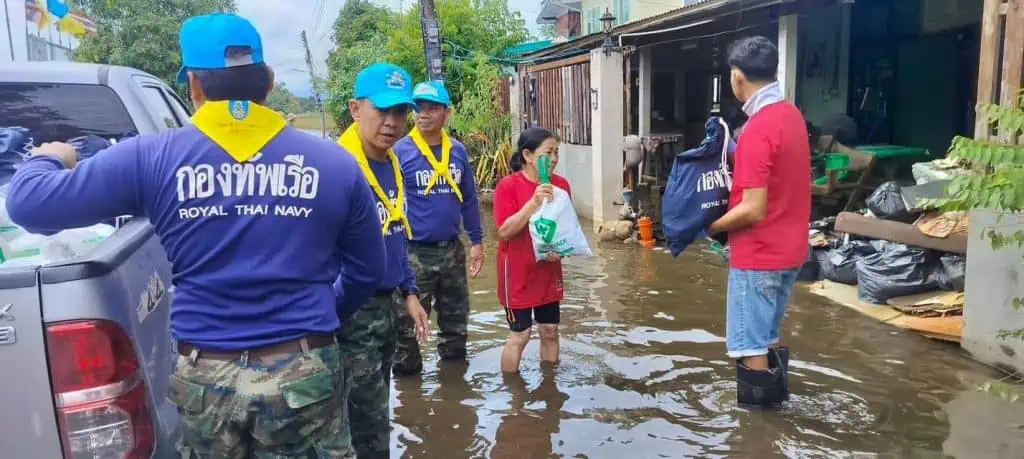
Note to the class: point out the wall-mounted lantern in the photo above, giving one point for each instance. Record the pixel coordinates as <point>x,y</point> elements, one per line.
<point>607,23</point>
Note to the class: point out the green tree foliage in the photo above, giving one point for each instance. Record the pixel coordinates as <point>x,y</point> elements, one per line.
<point>141,33</point>
<point>282,100</point>
<point>548,32</point>
<point>998,184</point>
<point>360,36</point>
<point>365,33</point>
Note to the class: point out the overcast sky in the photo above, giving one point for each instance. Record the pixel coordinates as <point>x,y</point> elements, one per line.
<point>280,23</point>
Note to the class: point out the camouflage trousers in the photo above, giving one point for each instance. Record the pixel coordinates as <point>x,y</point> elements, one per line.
<point>441,279</point>
<point>367,340</point>
<point>289,405</point>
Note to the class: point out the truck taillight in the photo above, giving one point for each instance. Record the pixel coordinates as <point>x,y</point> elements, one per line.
<point>99,391</point>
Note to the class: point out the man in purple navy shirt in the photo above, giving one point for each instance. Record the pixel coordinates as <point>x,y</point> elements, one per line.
<point>442,201</point>
<point>256,232</point>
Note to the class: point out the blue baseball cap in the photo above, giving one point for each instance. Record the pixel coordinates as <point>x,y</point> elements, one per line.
<point>385,86</point>
<point>205,40</point>
<point>432,91</point>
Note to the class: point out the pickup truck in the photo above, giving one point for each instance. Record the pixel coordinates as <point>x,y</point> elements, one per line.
<point>85,351</point>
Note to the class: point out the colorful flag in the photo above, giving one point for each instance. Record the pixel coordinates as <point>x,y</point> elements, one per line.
<point>57,8</point>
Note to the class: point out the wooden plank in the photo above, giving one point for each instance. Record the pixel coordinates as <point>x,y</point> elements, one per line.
<point>559,63</point>
<point>1013,62</point>
<point>877,228</point>
<point>988,61</point>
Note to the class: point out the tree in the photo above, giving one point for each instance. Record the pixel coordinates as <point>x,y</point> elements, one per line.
<point>998,181</point>
<point>360,37</point>
<point>548,32</point>
<point>282,100</point>
<point>469,28</point>
<point>141,33</point>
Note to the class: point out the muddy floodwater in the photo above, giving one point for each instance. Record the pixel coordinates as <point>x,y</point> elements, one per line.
<point>644,375</point>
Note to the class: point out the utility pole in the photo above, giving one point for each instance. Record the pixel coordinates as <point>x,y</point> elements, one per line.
<point>312,79</point>
<point>431,40</point>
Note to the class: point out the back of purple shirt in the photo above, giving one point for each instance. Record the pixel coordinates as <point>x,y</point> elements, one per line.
<point>255,246</point>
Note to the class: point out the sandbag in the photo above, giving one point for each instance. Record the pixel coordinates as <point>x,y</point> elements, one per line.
<point>840,264</point>
<point>555,227</point>
<point>951,272</point>
<point>887,203</point>
<point>697,192</point>
<point>897,271</point>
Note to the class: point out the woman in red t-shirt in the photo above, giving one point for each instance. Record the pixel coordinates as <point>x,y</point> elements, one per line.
<point>530,290</point>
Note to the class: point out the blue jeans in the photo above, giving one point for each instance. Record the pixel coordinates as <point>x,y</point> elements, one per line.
<point>755,305</point>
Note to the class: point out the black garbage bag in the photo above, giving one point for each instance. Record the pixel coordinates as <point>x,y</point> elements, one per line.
<point>951,272</point>
<point>15,143</point>
<point>897,271</point>
<point>811,270</point>
<point>887,203</point>
<point>840,265</point>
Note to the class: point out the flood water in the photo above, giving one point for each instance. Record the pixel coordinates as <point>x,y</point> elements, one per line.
<point>644,375</point>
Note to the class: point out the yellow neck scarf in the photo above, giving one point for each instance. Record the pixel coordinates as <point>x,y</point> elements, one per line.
<point>440,167</point>
<point>240,127</point>
<point>350,141</point>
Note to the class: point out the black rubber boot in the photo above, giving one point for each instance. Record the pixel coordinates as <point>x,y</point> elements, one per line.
<point>778,359</point>
<point>758,387</point>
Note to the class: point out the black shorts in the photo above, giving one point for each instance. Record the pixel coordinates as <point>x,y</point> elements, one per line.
<point>520,320</point>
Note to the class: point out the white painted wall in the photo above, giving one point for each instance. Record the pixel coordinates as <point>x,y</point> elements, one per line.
<point>575,164</point>
<point>606,117</point>
<point>18,30</point>
<point>788,40</point>
<point>994,279</point>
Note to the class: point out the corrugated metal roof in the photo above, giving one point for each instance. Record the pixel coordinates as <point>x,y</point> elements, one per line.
<point>699,7</point>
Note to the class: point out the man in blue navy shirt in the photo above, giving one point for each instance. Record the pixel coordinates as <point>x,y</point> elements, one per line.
<point>257,227</point>
<point>383,99</point>
<point>442,200</point>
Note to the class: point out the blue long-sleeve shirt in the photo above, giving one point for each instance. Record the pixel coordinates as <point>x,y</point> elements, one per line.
<point>255,246</point>
<point>399,274</point>
<point>440,216</point>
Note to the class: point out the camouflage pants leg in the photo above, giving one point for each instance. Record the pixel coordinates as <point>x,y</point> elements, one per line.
<point>286,405</point>
<point>441,279</point>
<point>367,341</point>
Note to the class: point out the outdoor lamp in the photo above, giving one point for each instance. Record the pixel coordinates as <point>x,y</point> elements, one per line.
<point>607,22</point>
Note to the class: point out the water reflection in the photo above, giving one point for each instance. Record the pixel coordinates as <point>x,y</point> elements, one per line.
<point>644,374</point>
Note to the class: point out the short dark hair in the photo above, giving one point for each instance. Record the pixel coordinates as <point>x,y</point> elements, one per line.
<point>245,82</point>
<point>757,57</point>
<point>530,139</point>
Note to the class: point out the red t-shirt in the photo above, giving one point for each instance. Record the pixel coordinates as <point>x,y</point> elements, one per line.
<point>773,152</point>
<point>523,283</point>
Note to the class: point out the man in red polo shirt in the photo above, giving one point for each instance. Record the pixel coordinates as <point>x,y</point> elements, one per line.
<point>769,210</point>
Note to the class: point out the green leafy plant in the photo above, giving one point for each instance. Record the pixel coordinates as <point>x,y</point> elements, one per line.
<point>998,181</point>
<point>482,128</point>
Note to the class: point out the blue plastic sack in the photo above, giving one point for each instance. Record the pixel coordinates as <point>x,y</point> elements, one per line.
<point>15,143</point>
<point>698,187</point>
<point>89,145</point>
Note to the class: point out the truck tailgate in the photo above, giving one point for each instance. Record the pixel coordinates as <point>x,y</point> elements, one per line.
<point>26,400</point>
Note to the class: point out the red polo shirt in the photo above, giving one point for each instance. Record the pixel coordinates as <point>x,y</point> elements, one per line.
<point>773,152</point>
<point>523,283</point>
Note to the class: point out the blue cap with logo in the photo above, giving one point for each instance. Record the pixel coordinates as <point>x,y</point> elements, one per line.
<point>205,41</point>
<point>432,91</point>
<point>385,86</point>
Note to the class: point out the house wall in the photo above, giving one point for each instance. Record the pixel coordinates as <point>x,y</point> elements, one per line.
<point>568,25</point>
<point>994,279</point>
<point>575,163</point>
<point>624,10</point>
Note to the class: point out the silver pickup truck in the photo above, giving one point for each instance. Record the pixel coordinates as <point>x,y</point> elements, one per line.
<point>85,352</point>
